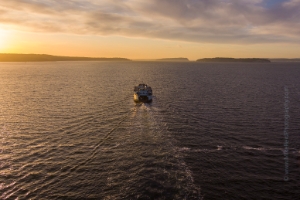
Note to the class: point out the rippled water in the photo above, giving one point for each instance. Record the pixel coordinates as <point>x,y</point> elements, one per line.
<point>70,130</point>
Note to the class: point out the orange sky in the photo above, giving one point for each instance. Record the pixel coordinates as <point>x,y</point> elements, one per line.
<point>137,29</point>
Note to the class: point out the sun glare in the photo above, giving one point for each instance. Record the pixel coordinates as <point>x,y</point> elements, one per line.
<point>3,39</point>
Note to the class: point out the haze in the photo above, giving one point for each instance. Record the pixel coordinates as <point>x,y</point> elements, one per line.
<point>138,29</point>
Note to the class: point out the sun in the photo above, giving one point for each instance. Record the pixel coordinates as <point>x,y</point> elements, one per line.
<point>3,39</point>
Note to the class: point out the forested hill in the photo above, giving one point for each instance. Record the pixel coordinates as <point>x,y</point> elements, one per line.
<point>233,60</point>
<point>43,57</point>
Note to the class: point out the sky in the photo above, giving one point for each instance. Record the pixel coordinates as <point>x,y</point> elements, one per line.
<point>151,29</point>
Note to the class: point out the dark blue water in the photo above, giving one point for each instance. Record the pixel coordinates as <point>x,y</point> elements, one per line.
<point>70,130</point>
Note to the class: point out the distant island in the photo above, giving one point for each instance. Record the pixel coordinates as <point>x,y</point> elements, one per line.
<point>173,59</point>
<point>218,59</point>
<point>285,59</point>
<point>10,57</point>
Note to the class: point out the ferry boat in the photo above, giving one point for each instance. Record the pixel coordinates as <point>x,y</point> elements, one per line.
<point>142,93</point>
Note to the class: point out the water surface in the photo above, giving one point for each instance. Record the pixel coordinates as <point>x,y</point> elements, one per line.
<point>70,130</point>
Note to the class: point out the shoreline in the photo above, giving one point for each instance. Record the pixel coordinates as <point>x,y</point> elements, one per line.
<point>12,57</point>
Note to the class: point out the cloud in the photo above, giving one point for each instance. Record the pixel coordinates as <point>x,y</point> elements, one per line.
<point>214,21</point>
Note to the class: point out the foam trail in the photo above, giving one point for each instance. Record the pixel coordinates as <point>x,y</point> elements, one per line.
<point>171,143</point>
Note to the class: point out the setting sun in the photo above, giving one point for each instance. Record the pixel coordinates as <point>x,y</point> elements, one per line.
<point>3,39</point>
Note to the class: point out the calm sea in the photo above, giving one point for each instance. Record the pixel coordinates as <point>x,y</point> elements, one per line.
<point>70,130</point>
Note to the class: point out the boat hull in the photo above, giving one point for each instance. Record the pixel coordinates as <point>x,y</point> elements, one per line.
<point>144,99</point>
